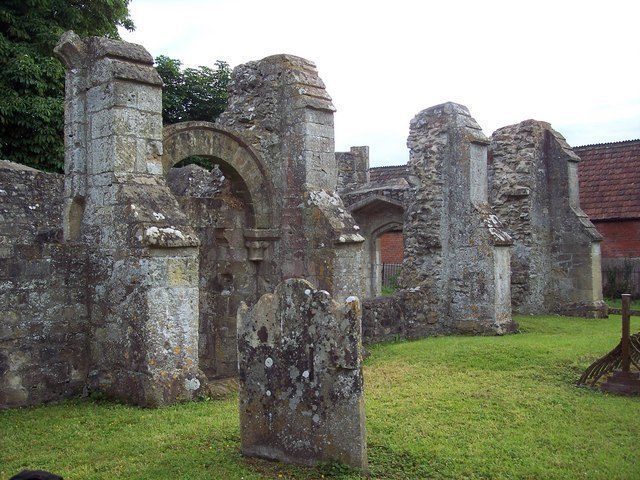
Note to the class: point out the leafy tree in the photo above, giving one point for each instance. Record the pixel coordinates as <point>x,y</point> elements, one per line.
<point>193,93</point>
<point>32,79</point>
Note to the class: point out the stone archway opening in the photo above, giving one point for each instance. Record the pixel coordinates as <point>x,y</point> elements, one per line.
<point>223,187</point>
<point>378,218</point>
<point>389,253</point>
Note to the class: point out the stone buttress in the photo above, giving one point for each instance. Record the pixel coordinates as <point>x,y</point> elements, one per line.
<point>534,190</point>
<point>142,255</point>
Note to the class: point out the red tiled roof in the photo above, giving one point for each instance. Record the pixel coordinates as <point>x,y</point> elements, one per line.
<point>609,176</point>
<point>383,174</point>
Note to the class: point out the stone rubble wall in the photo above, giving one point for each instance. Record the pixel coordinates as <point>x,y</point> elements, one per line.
<point>534,190</point>
<point>44,335</point>
<point>301,385</point>
<point>456,252</point>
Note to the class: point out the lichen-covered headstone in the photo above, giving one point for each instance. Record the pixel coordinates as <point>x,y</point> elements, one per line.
<point>300,367</point>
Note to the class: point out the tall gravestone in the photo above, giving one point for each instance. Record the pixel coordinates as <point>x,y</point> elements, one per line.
<point>280,105</point>
<point>534,190</point>
<point>142,255</point>
<point>456,267</point>
<point>300,372</point>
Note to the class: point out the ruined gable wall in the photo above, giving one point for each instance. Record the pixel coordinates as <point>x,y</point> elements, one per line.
<point>280,105</point>
<point>533,178</point>
<point>44,329</point>
<point>456,253</point>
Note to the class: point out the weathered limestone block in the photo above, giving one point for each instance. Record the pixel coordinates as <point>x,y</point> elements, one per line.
<point>301,386</point>
<point>456,253</point>
<point>534,190</point>
<point>281,106</point>
<point>142,252</point>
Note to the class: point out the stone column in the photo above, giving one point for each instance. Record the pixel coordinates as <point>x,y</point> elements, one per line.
<point>456,268</point>
<point>143,257</point>
<point>534,190</point>
<point>301,390</point>
<point>281,106</point>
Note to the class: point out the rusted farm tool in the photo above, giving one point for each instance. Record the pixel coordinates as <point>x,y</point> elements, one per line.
<point>617,363</point>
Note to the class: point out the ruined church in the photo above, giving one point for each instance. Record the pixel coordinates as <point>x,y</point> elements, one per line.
<point>147,280</point>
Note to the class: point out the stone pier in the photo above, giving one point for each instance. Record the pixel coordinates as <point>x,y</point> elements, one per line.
<point>281,106</point>
<point>142,257</point>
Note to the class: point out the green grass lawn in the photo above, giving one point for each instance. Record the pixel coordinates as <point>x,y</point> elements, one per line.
<point>448,407</point>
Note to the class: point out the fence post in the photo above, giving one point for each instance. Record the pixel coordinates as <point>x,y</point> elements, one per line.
<point>625,342</point>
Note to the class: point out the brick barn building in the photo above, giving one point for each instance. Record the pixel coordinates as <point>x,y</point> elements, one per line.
<point>609,176</point>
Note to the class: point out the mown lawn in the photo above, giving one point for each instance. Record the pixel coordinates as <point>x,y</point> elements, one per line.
<point>450,407</point>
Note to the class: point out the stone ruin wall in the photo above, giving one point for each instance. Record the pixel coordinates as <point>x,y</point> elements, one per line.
<point>101,277</point>
<point>142,254</point>
<point>44,330</point>
<point>219,216</point>
<point>532,187</point>
<point>376,206</point>
<point>455,275</point>
<point>120,305</point>
<point>353,168</point>
<point>556,254</point>
<point>280,105</point>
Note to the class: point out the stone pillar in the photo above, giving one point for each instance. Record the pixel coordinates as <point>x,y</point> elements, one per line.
<point>534,190</point>
<point>143,256</point>
<point>456,268</point>
<point>301,389</point>
<point>353,168</point>
<point>281,106</point>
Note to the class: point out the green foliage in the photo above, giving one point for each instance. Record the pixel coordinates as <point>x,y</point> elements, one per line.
<point>192,93</point>
<point>391,287</point>
<point>441,408</point>
<point>32,79</point>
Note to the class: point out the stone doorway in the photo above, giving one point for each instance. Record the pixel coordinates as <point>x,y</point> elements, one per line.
<point>376,215</point>
<point>221,187</point>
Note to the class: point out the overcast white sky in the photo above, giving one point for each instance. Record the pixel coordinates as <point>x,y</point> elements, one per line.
<point>575,64</point>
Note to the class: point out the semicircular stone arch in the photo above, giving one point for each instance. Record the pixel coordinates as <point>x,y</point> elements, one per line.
<point>386,227</point>
<point>186,139</point>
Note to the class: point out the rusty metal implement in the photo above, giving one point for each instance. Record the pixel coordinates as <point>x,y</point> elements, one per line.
<point>618,362</point>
